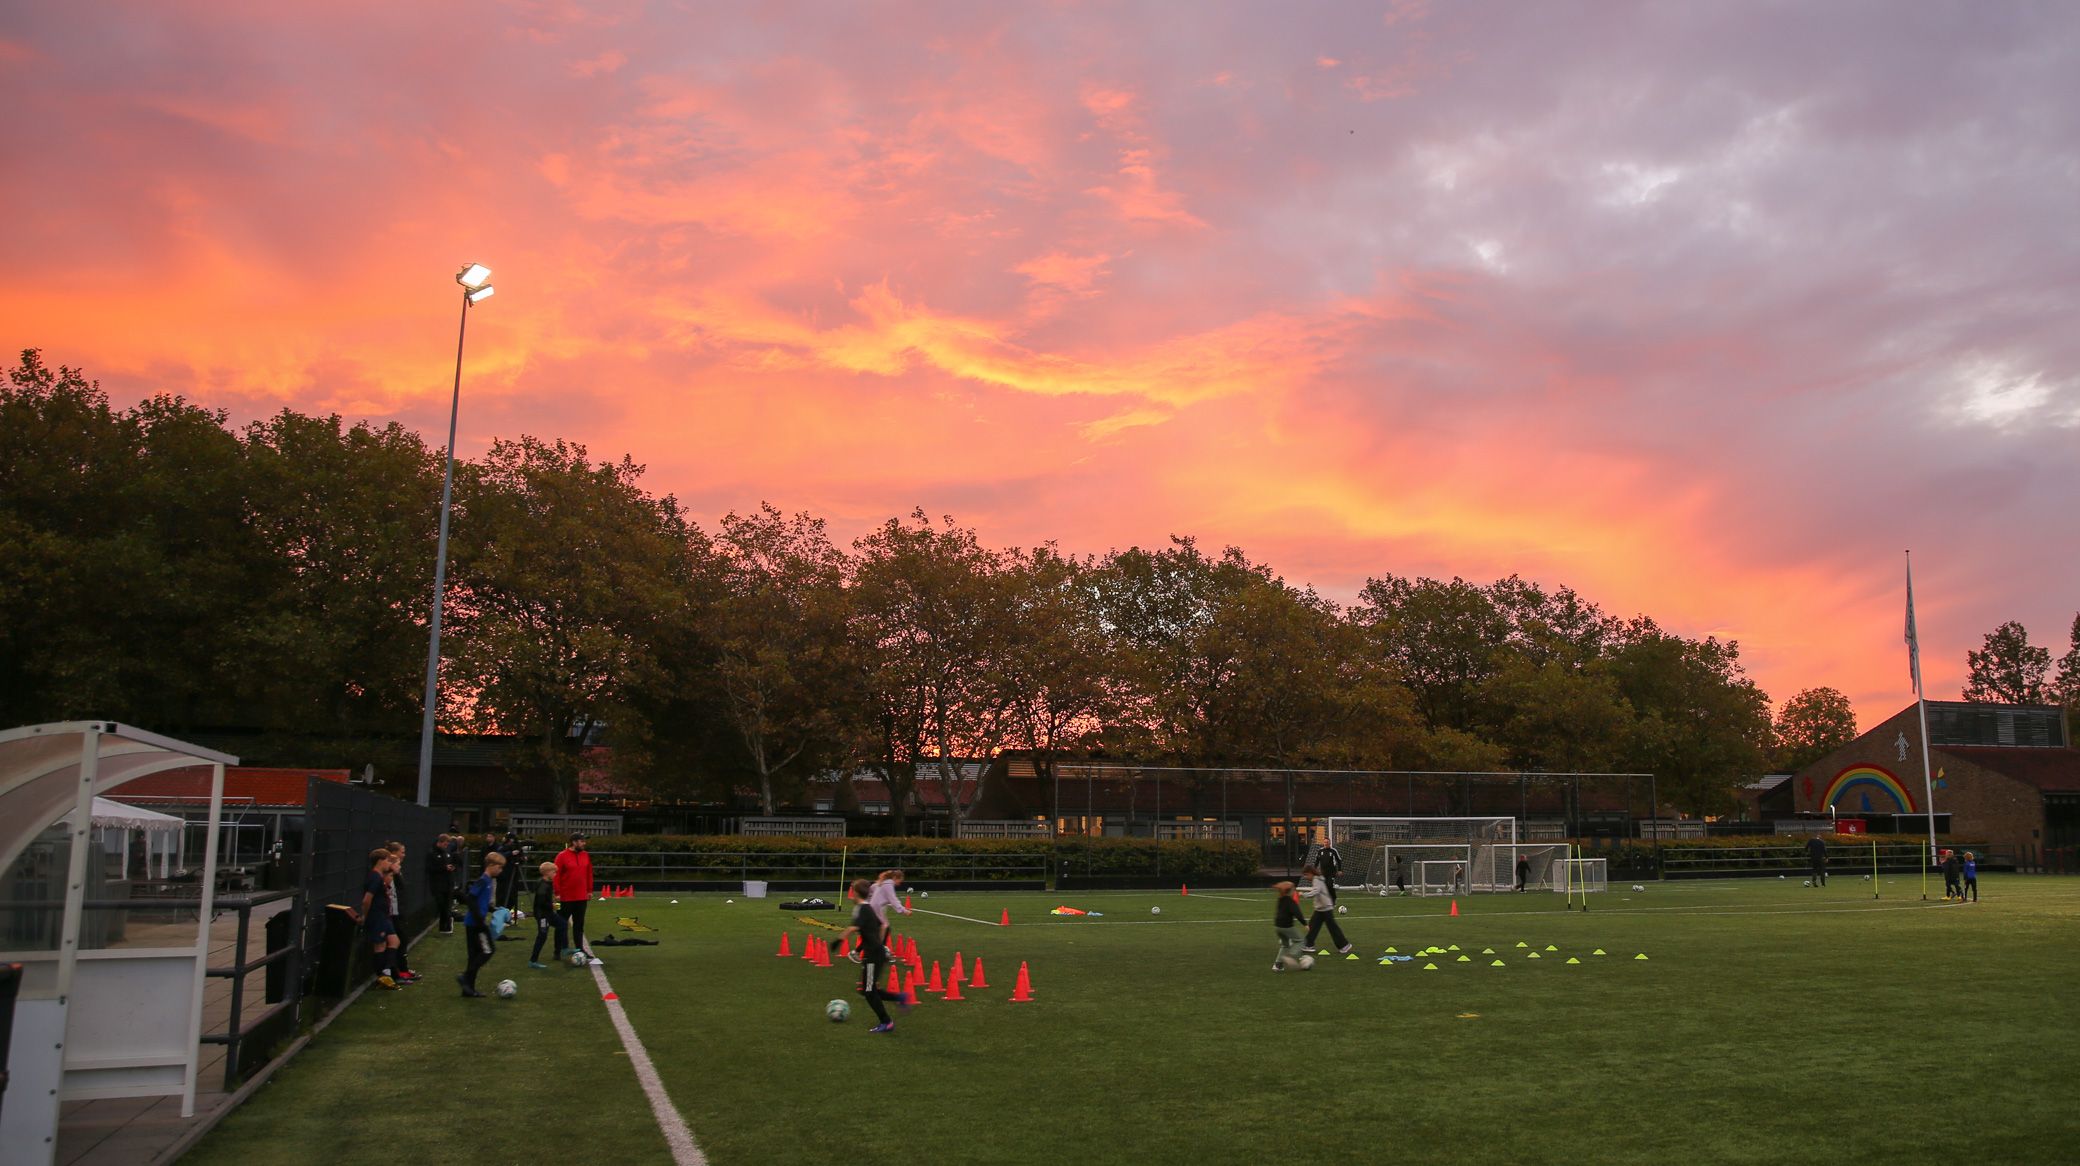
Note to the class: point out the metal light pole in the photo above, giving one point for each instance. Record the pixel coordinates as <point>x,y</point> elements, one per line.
<point>475,279</point>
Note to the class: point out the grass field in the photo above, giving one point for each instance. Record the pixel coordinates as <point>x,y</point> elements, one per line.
<point>1770,1023</point>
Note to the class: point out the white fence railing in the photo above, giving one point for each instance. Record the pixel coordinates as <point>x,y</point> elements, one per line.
<point>1008,828</point>
<point>799,827</point>
<point>564,823</point>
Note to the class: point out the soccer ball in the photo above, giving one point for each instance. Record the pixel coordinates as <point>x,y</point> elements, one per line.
<point>1306,963</point>
<point>1155,910</point>
<point>507,989</point>
<point>1783,876</point>
<point>838,1011</point>
<point>1638,887</point>
<point>1806,883</point>
<point>924,894</point>
<point>579,958</point>
<point>1342,910</point>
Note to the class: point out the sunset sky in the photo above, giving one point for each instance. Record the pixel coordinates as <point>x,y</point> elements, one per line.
<point>1707,310</point>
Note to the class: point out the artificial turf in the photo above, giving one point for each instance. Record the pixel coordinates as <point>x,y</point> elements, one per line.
<point>1769,1023</point>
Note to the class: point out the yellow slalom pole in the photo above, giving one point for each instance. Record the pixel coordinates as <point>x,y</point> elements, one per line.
<point>1874,868</point>
<point>843,852</point>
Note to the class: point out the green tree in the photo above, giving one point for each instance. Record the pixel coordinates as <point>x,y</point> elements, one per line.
<point>2008,669</point>
<point>1444,640</point>
<point>564,573</point>
<point>337,642</point>
<point>782,666</point>
<point>1700,725</point>
<point>2069,677</point>
<point>1060,669</point>
<point>1811,725</point>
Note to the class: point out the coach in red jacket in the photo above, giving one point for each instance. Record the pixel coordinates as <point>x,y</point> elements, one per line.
<point>574,891</point>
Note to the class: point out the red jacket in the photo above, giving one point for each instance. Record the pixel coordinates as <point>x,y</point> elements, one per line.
<point>573,875</point>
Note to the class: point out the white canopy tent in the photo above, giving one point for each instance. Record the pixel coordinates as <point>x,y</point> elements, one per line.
<point>118,1022</point>
<point>164,834</point>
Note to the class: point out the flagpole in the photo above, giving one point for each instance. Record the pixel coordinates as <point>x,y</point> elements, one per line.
<point>1928,789</point>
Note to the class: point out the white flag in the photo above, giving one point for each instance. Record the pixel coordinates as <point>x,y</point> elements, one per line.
<point>1913,646</point>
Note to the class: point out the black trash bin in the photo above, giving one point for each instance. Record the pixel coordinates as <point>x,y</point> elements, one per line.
<point>337,947</point>
<point>279,936</point>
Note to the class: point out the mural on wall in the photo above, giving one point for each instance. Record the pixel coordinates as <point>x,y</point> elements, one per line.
<point>1867,789</point>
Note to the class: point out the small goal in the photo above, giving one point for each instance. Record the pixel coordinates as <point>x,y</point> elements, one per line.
<point>1419,855</point>
<point>1583,876</point>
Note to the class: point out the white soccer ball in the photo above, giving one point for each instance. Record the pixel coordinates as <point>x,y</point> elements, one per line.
<point>1155,910</point>
<point>1342,910</point>
<point>579,959</point>
<point>1806,883</point>
<point>838,1011</point>
<point>1306,963</point>
<point>1783,876</point>
<point>507,989</point>
<point>1638,887</point>
<point>924,894</point>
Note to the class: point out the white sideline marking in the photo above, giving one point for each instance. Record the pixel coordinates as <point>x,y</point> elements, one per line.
<point>962,918</point>
<point>676,1135</point>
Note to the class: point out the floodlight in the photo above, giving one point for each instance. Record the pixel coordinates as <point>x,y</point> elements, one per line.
<point>474,276</point>
<point>479,295</point>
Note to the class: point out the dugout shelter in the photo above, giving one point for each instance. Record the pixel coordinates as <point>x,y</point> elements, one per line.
<point>97,1016</point>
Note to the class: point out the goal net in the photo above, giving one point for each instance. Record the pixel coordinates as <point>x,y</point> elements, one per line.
<point>1389,855</point>
<point>1541,861</point>
<point>1583,876</point>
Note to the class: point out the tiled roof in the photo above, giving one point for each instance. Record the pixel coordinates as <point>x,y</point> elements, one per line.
<point>255,785</point>
<point>2046,769</point>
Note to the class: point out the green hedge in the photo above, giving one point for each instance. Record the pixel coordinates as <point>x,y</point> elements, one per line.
<point>937,858</point>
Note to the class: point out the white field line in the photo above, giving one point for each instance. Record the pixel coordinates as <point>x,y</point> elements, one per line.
<point>962,918</point>
<point>1348,920</point>
<point>676,1134</point>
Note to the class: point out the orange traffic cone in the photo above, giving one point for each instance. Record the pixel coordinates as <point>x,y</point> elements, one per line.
<point>629,891</point>
<point>844,946</point>
<point>906,902</point>
<point>1006,920</point>
<point>784,953</point>
<point>809,948</point>
<point>936,985</point>
<point>1455,908</point>
<point>1023,992</point>
<point>953,990</point>
<point>910,986</point>
<point>957,974</point>
<point>1183,889</point>
<point>823,953</point>
<point>976,980</point>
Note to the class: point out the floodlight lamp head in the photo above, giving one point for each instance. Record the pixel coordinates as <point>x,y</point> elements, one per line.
<point>473,276</point>
<point>479,295</point>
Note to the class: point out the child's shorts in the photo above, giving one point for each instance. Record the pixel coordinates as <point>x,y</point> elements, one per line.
<point>378,930</point>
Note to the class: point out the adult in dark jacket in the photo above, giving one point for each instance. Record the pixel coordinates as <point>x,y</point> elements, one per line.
<point>442,865</point>
<point>1816,859</point>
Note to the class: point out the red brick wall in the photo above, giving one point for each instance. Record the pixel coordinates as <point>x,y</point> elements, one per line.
<point>1984,806</point>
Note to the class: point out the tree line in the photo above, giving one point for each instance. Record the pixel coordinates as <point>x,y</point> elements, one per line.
<point>164,568</point>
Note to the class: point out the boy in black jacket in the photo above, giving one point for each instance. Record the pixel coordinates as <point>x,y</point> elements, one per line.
<point>546,915</point>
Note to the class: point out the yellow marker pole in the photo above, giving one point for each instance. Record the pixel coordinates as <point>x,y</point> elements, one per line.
<point>1874,868</point>
<point>843,852</point>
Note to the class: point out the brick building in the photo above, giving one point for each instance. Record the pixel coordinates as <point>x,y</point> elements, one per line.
<point>2005,775</point>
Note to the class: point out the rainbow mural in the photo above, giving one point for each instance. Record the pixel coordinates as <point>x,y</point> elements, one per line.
<point>1870,786</point>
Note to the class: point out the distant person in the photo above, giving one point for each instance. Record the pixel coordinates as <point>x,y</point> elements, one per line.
<point>1286,921</point>
<point>1971,877</point>
<point>476,922</point>
<point>509,883</point>
<point>1324,913</point>
<point>1816,860</point>
<point>574,891</point>
<point>1953,876</point>
<point>1523,872</point>
<point>1330,864</point>
<point>441,870</point>
<point>1399,875</point>
<point>377,927</point>
<point>547,916</point>
<point>874,957</point>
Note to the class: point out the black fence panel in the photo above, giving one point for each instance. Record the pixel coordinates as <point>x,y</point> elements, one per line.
<point>342,824</point>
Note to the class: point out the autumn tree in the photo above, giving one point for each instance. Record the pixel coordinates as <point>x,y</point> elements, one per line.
<point>2008,669</point>
<point>564,570</point>
<point>1811,725</point>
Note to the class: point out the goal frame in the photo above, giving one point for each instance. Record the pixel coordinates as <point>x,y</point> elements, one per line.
<point>1471,840</point>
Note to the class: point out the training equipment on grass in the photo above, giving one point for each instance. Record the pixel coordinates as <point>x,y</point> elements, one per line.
<point>579,959</point>
<point>976,980</point>
<point>1340,909</point>
<point>1022,992</point>
<point>838,1011</point>
<point>507,989</point>
<point>1307,963</point>
<point>1155,910</point>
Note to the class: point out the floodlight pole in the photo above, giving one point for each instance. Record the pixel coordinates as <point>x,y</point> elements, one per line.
<point>440,569</point>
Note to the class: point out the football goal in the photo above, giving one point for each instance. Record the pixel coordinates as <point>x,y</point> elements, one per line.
<point>1583,876</point>
<point>1426,856</point>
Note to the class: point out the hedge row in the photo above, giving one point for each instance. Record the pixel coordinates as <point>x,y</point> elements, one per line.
<point>633,857</point>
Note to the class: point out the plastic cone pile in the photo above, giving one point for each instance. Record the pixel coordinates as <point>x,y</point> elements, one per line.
<point>1022,993</point>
